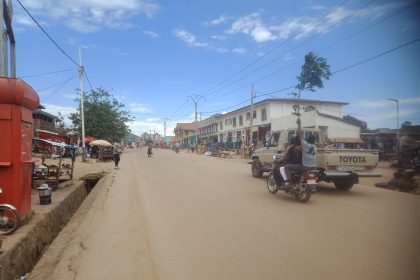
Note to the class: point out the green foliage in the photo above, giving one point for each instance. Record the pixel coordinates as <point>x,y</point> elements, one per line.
<point>313,71</point>
<point>104,116</point>
<point>355,121</point>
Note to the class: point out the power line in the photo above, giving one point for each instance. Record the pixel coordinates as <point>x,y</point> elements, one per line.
<point>330,46</point>
<point>90,85</point>
<point>376,56</point>
<point>359,63</point>
<point>47,74</point>
<point>45,32</point>
<point>274,60</point>
<point>269,52</point>
<point>63,84</point>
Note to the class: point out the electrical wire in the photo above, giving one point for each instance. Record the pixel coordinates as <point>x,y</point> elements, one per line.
<point>323,49</point>
<point>45,32</point>
<point>338,71</point>
<point>270,51</point>
<point>47,74</point>
<point>376,56</point>
<point>90,85</point>
<point>62,85</point>
<point>276,59</point>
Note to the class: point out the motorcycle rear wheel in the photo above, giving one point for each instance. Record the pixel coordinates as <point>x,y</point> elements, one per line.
<point>271,184</point>
<point>9,220</point>
<point>303,193</point>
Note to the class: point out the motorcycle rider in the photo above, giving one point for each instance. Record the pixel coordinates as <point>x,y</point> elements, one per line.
<point>309,150</point>
<point>292,158</point>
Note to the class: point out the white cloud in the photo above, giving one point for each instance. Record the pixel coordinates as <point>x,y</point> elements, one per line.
<point>64,110</point>
<point>303,26</point>
<point>189,38</point>
<point>239,50</point>
<point>386,103</point>
<point>140,108</point>
<point>86,16</point>
<point>219,37</point>
<point>151,33</point>
<point>217,21</point>
<point>252,25</point>
<point>287,57</point>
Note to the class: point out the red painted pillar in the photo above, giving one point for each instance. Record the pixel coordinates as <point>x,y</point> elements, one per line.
<point>17,101</point>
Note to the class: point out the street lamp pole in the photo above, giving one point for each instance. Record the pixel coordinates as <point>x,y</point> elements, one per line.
<point>398,124</point>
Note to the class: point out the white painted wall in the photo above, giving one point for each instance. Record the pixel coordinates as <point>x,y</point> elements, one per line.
<point>335,128</point>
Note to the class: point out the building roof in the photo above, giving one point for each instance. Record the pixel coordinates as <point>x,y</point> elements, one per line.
<point>284,100</point>
<point>188,126</point>
<point>40,112</point>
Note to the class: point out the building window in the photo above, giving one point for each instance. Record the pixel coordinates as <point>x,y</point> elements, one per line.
<point>254,115</point>
<point>248,116</point>
<point>263,114</point>
<point>221,125</point>
<point>234,122</point>
<point>241,120</point>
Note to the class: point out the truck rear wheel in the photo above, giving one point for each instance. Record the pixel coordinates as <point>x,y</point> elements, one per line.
<point>256,168</point>
<point>343,185</point>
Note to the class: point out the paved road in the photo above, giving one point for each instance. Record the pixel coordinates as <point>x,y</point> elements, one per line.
<point>186,216</point>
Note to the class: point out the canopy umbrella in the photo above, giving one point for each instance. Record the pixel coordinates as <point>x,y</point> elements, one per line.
<point>102,143</point>
<point>90,139</point>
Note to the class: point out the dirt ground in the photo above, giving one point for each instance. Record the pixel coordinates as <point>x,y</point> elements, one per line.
<point>186,216</point>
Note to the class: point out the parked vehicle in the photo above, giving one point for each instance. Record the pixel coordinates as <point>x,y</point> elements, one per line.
<point>9,218</point>
<point>343,167</point>
<point>301,186</point>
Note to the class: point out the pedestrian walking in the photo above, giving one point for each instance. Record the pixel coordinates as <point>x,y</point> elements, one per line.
<point>149,151</point>
<point>116,152</point>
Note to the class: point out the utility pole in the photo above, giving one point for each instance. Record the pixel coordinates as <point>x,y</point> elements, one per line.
<point>82,114</point>
<point>196,99</point>
<point>252,113</point>
<point>164,127</point>
<point>6,15</point>
<point>398,124</point>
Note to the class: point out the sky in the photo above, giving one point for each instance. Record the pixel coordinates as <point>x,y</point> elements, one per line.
<point>160,57</point>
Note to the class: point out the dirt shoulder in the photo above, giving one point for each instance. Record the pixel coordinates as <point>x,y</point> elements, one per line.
<point>21,250</point>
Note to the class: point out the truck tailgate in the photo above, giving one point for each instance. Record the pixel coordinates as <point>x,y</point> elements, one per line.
<point>347,159</point>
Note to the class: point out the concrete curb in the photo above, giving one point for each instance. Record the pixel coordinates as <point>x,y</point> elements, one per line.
<point>31,243</point>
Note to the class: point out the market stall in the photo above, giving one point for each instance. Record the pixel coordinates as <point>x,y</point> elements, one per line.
<point>101,150</point>
<point>48,166</point>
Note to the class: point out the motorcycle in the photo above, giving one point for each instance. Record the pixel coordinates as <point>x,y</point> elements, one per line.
<point>9,218</point>
<point>302,185</point>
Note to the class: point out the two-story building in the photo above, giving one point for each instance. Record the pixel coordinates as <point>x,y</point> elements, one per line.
<point>235,127</point>
<point>186,133</point>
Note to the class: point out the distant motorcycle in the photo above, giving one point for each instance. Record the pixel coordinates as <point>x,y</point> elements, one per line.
<point>302,186</point>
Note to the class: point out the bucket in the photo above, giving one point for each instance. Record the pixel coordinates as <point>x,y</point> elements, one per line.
<point>44,194</point>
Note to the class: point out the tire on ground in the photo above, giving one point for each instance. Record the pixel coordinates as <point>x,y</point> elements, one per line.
<point>256,168</point>
<point>343,184</point>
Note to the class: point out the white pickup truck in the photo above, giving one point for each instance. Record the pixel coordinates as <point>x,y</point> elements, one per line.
<point>343,167</point>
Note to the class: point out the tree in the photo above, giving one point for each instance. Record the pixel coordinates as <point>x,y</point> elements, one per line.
<point>357,122</point>
<point>104,116</point>
<point>313,71</point>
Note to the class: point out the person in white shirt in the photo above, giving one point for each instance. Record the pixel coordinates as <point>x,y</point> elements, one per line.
<point>116,152</point>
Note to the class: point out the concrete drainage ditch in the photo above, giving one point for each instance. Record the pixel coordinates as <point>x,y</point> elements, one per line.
<point>21,251</point>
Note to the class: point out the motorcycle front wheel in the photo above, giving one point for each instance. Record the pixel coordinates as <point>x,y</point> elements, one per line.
<point>303,193</point>
<point>271,183</point>
<point>9,220</point>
